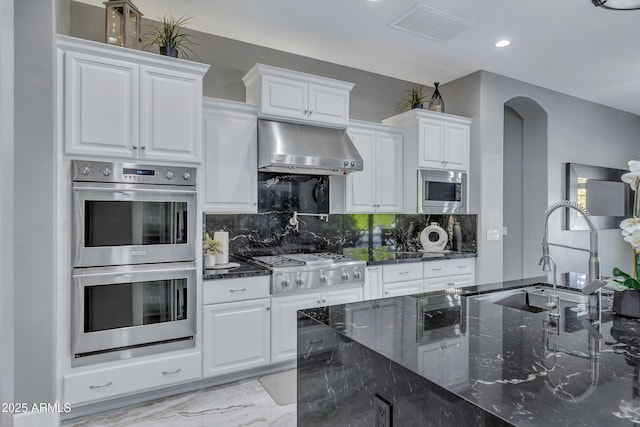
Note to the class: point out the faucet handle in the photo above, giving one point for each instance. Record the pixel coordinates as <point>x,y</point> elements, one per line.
<point>593,286</point>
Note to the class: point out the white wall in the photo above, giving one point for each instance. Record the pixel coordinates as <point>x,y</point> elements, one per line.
<point>577,131</point>
<point>35,157</point>
<point>6,208</point>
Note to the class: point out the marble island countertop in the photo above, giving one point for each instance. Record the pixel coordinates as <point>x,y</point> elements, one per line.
<point>501,366</point>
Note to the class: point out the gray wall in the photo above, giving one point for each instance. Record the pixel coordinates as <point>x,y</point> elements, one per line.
<point>35,226</point>
<point>373,98</point>
<point>513,196</point>
<point>6,209</point>
<point>577,131</point>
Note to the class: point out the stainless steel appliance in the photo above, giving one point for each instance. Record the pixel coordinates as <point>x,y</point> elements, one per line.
<point>299,272</point>
<point>134,251</point>
<point>441,314</point>
<point>299,148</point>
<point>125,213</point>
<point>124,311</point>
<point>442,191</point>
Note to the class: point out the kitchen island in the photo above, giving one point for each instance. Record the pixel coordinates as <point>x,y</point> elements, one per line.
<point>492,365</point>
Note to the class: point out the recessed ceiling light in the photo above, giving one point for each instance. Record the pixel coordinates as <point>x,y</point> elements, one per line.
<point>503,43</point>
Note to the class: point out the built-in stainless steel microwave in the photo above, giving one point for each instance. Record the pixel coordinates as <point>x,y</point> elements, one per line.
<point>441,191</point>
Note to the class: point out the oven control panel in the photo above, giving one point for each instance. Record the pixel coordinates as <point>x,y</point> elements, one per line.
<point>134,173</point>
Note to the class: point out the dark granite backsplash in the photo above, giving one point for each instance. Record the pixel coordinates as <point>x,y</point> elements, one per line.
<point>272,233</point>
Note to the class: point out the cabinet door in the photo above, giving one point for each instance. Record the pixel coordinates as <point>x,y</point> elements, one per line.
<point>456,362</point>
<point>170,114</point>
<point>456,146</point>
<point>430,144</point>
<point>389,328</point>
<point>372,283</point>
<point>328,105</point>
<point>436,284</point>
<point>230,161</point>
<point>389,172</point>
<point>360,322</point>
<point>284,98</point>
<point>360,191</point>
<point>284,324</point>
<point>402,288</point>
<point>431,363</point>
<point>236,336</point>
<point>101,106</point>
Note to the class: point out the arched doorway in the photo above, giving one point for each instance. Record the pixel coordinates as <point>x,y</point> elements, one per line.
<point>524,186</point>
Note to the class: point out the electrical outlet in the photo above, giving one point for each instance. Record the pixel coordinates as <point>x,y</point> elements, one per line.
<point>383,411</point>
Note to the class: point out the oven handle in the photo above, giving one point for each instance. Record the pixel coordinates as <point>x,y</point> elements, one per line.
<point>130,273</point>
<point>136,190</point>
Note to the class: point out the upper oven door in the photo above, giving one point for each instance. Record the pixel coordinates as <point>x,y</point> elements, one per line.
<point>121,224</point>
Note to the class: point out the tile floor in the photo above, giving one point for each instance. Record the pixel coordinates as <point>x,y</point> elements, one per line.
<point>242,403</point>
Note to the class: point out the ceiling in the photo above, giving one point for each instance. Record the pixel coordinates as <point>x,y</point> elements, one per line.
<point>568,46</point>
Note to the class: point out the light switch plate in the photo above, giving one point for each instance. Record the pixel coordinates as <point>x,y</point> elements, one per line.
<point>493,234</point>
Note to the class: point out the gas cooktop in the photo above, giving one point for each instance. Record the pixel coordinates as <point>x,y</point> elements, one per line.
<point>321,259</point>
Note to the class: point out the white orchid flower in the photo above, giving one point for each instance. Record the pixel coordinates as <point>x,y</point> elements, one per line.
<point>632,176</point>
<point>634,239</point>
<point>630,225</point>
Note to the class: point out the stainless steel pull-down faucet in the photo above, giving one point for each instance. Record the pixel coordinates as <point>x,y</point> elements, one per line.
<point>594,260</point>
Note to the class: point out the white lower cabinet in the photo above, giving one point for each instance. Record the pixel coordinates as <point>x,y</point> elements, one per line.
<point>377,324</point>
<point>373,283</point>
<point>284,317</point>
<point>448,274</point>
<point>236,336</point>
<point>104,383</point>
<point>236,324</point>
<point>402,288</point>
<point>446,362</point>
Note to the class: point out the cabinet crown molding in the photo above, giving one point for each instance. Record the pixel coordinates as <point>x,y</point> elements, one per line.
<point>261,69</point>
<point>402,119</point>
<point>131,55</point>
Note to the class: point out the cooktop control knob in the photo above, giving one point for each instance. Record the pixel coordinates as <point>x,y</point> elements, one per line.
<point>106,171</point>
<point>186,176</point>
<point>284,284</point>
<point>345,275</point>
<point>323,278</point>
<point>299,281</point>
<point>169,175</point>
<point>357,274</point>
<point>85,170</point>
<point>346,163</point>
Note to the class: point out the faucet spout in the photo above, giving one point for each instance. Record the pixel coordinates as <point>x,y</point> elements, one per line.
<point>594,260</point>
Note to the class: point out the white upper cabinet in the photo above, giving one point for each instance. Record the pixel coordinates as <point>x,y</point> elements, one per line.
<point>230,157</point>
<point>440,141</point>
<point>378,187</point>
<point>299,97</point>
<point>129,104</point>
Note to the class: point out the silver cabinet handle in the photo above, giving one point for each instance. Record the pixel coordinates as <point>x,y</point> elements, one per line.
<point>318,302</point>
<point>144,147</point>
<point>97,387</point>
<point>310,112</point>
<point>135,147</point>
<point>462,266</point>
<point>403,272</point>
<point>324,301</point>
<point>436,269</point>
<point>177,371</point>
<point>237,290</point>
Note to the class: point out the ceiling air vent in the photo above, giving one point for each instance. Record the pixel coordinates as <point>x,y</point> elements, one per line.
<point>430,23</point>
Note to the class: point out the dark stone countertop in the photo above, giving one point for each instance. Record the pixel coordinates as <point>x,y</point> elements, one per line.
<point>246,269</point>
<point>516,365</point>
<point>381,256</point>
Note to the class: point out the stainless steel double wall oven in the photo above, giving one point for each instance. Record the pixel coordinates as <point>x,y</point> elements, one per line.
<point>133,251</point>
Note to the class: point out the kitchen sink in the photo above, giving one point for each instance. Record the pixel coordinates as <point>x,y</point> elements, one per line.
<point>533,299</point>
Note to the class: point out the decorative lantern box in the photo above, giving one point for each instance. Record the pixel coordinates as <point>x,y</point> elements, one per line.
<point>122,21</point>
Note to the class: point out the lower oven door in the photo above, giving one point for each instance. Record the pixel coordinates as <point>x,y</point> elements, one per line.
<point>119,312</point>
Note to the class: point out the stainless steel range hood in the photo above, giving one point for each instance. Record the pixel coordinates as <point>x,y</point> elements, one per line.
<point>305,149</point>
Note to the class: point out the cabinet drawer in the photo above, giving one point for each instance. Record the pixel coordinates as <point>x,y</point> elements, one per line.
<point>120,380</point>
<point>449,267</point>
<point>239,289</point>
<point>402,272</point>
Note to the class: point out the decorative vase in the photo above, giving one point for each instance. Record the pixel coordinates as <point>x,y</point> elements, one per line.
<point>209,260</point>
<point>436,103</point>
<point>169,51</point>
<point>626,303</point>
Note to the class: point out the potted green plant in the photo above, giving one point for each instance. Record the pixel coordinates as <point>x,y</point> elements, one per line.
<point>211,248</point>
<point>170,37</point>
<point>412,98</point>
